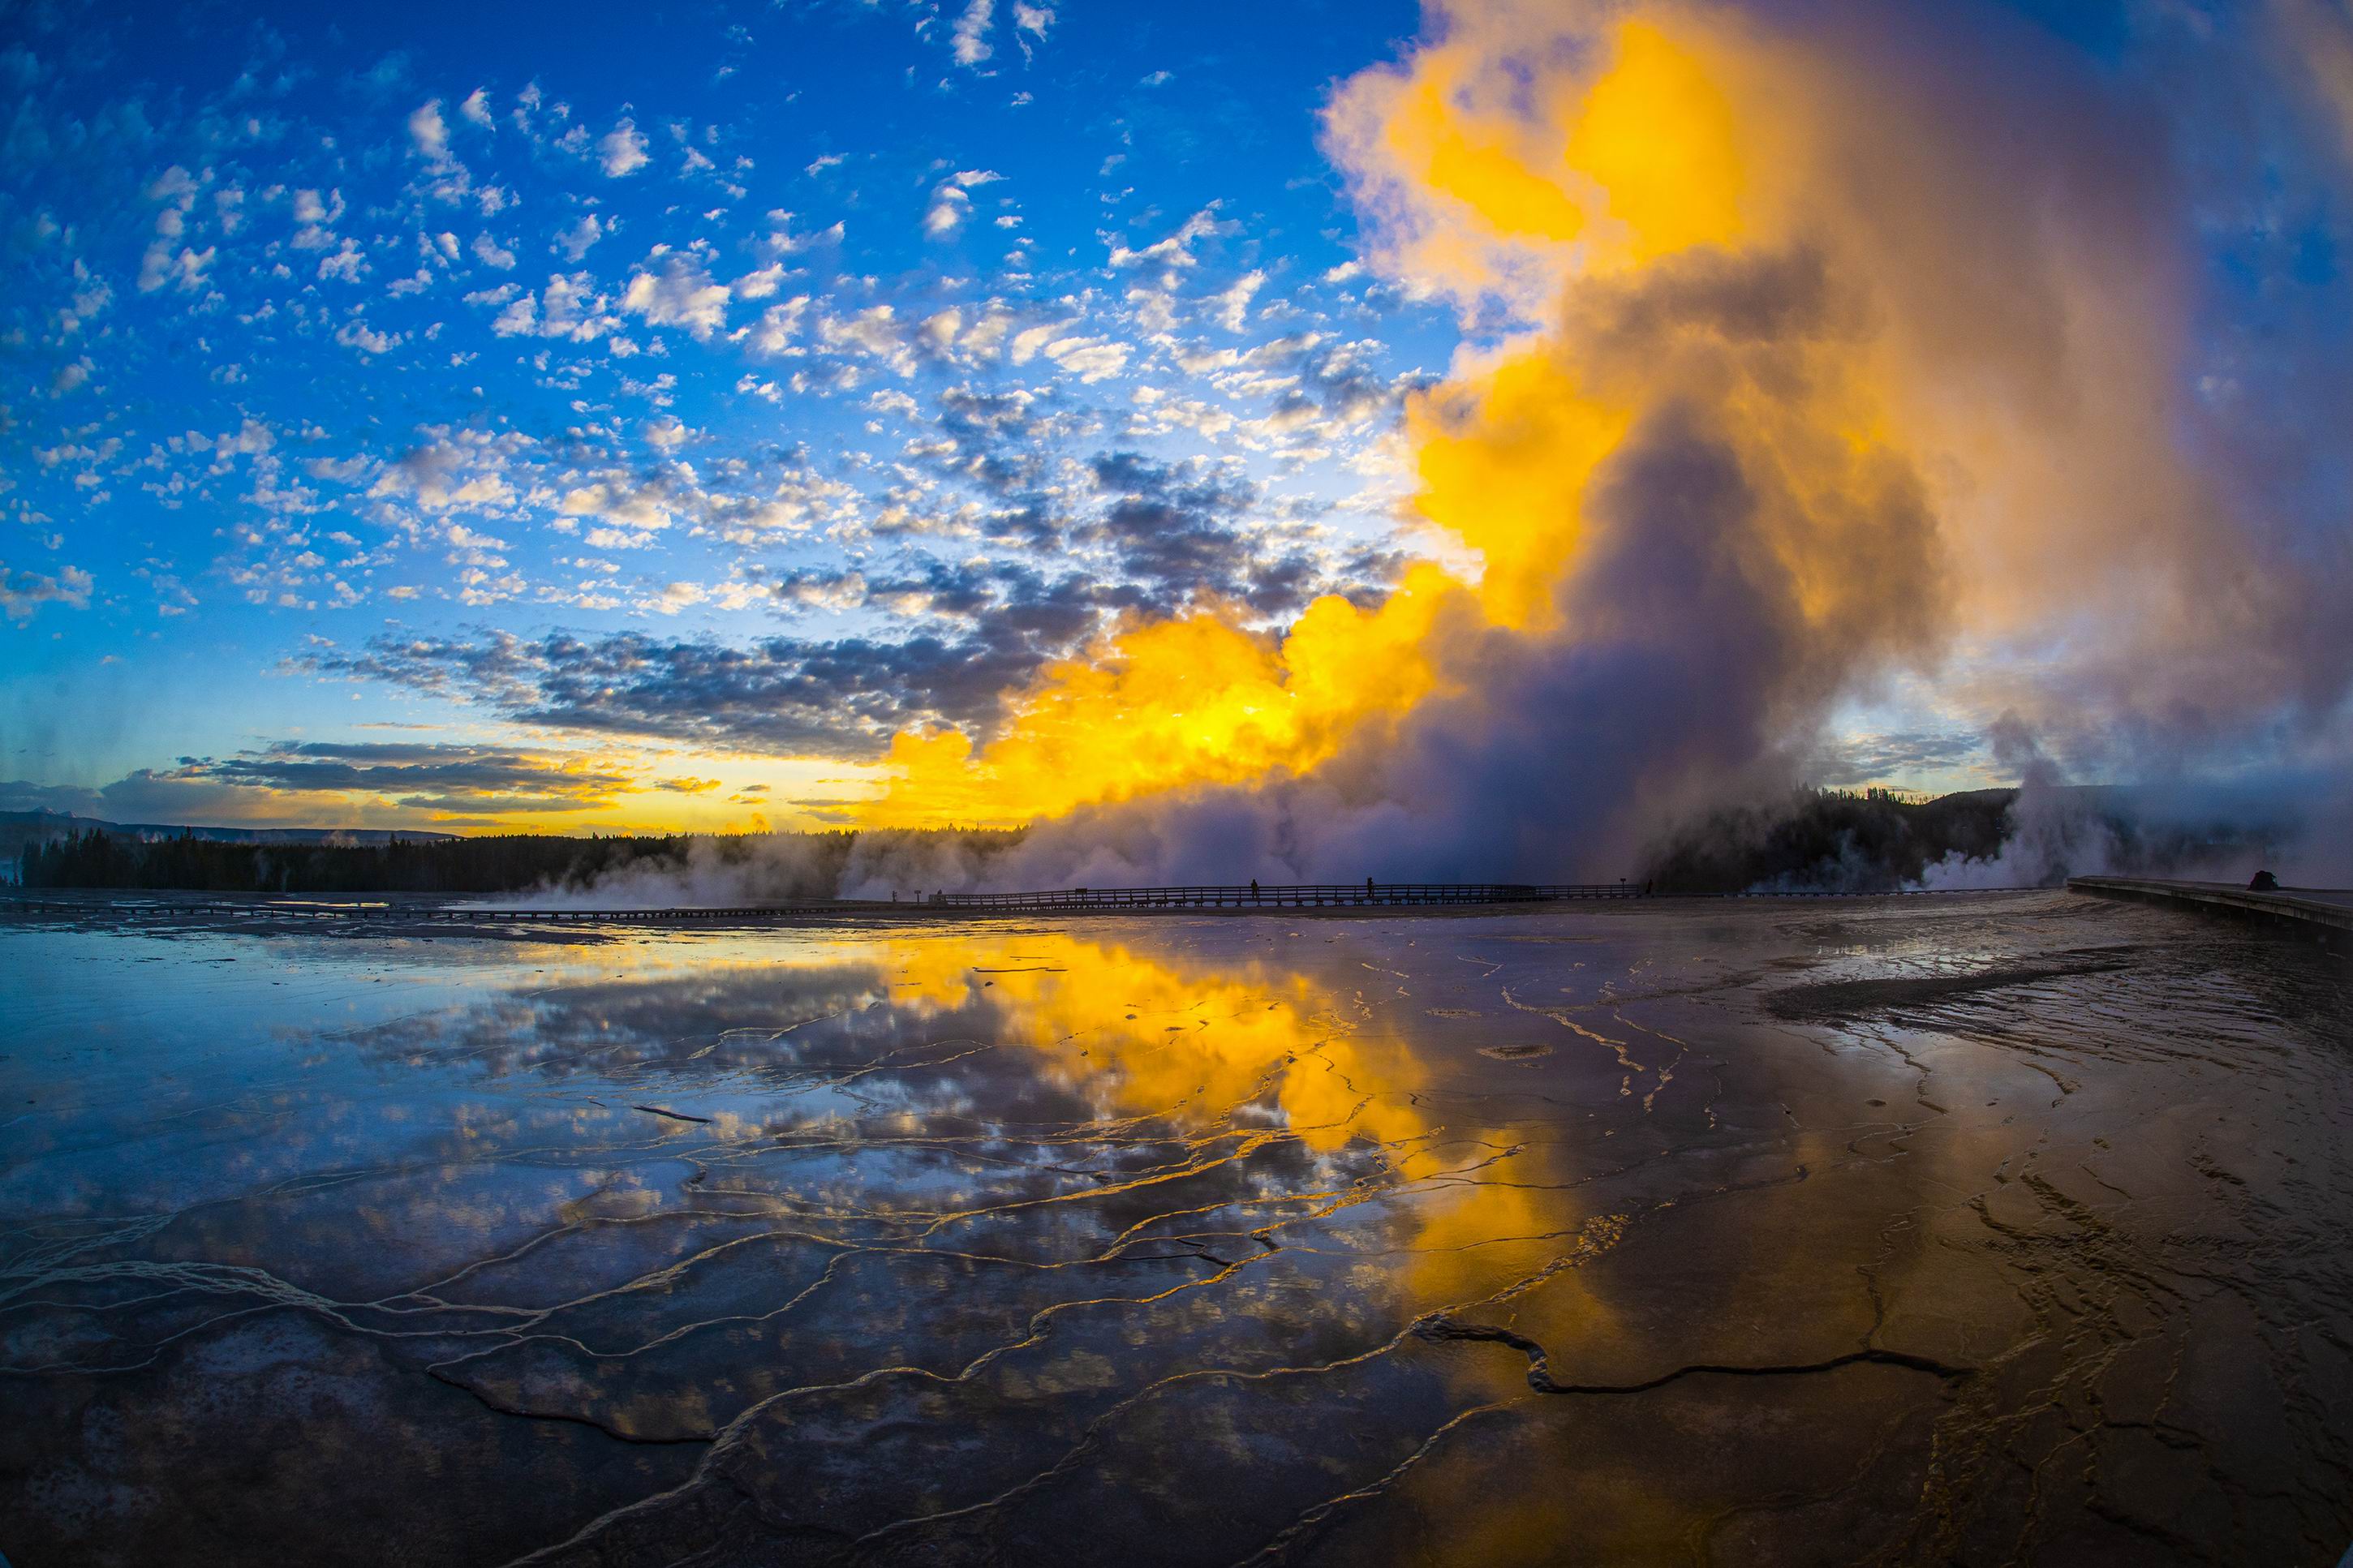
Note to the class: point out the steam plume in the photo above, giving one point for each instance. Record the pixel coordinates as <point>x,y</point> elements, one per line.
<point>1838,342</point>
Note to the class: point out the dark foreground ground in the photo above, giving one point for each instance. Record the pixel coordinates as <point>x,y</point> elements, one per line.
<point>1976,1230</point>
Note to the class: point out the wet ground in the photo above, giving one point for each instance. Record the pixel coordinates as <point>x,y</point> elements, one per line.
<point>1973,1229</point>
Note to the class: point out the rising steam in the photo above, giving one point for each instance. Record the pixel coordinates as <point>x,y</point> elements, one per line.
<point>1847,342</point>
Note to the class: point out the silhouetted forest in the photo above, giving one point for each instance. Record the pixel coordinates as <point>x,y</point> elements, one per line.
<point>789,866</point>
<point>1830,840</point>
<point>1810,840</point>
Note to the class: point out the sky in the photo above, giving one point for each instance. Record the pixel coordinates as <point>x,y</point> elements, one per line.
<point>700,417</point>
<point>429,418</point>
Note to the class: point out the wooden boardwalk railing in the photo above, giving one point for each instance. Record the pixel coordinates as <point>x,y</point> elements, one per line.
<point>1313,895</point>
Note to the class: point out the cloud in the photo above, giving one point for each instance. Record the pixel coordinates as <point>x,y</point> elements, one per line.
<point>681,294</point>
<point>640,505</point>
<point>876,332</point>
<point>1830,344</point>
<point>442,779</point>
<point>1090,358</point>
<point>387,74</point>
<point>454,468</point>
<point>1882,757</point>
<point>23,593</point>
<point>780,695</point>
<point>346,264</point>
<point>1643,482</point>
<point>969,40</point>
<point>623,151</point>
<point>356,333</point>
<point>329,783</point>
<point>949,204</point>
<point>185,271</point>
<point>428,132</point>
<point>1181,533</point>
<point>569,307</point>
<point>432,775</point>
<point>169,262</point>
<point>575,240</point>
<point>1173,253</point>
<point>1233,304</point>
<point>760,283</point>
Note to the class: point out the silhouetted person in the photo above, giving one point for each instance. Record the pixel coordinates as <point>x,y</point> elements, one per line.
<point>1253,890</point>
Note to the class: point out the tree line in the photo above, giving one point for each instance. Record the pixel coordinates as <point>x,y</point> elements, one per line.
<point>1813,839</point>
<point>791,866</point>
<point>1830,840</point>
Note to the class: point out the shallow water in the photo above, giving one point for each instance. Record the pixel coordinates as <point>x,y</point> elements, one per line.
<point>1964,1229</point>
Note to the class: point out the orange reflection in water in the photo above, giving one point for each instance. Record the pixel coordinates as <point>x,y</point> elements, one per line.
<point>1203,1041</point>
<point>1253,1049</point>
<point>1140,1036</point>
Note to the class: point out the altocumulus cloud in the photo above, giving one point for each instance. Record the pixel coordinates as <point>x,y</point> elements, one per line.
<point>293,778</point>
<point>23,593</point>
<point>838,698</point>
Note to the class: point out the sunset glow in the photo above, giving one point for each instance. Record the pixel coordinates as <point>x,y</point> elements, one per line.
<point>1563,418</point>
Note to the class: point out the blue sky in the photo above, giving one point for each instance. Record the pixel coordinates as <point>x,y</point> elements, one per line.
<point>463,416</point>
<point>355,356</point>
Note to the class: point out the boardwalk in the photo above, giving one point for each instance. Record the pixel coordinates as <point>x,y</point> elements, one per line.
<point>1067,900</point>
<point>1305,896</point>
<point>2328,910</point>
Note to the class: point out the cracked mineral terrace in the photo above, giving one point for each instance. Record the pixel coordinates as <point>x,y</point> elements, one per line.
<point>1973,1229</point>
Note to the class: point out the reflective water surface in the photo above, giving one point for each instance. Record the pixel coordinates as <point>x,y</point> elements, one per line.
<point>1971,1229</point>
